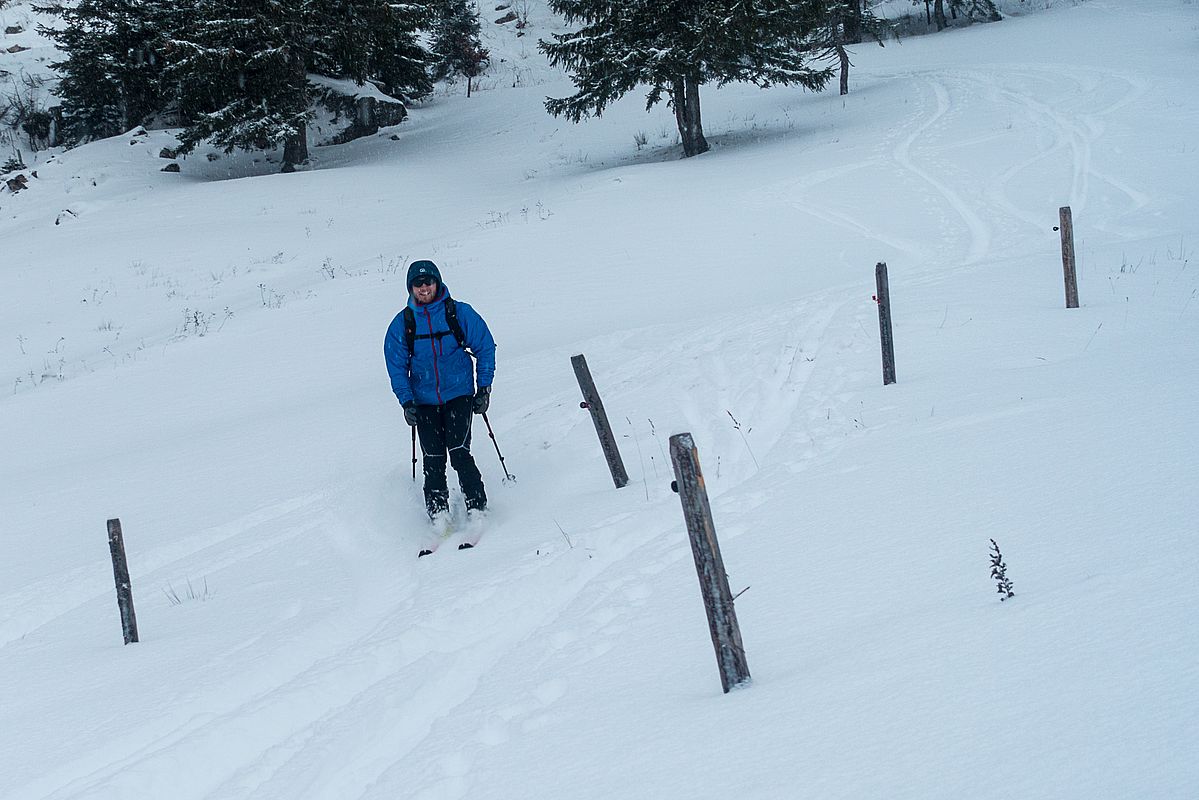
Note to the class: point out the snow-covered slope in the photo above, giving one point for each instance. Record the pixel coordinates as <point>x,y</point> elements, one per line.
<point>203,359</point>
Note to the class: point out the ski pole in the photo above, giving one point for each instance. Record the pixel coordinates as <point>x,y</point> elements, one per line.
<point>414,454</point>
<point>491,433</point>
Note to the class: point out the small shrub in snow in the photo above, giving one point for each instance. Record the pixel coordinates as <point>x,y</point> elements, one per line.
<point>737,427</point>
<point>999,573</point>
<point>191,593</point>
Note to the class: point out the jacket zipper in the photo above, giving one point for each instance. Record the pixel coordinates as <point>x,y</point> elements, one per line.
<point>433,347</point>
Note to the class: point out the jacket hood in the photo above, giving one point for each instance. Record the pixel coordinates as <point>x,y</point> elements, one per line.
<point>421,268</point>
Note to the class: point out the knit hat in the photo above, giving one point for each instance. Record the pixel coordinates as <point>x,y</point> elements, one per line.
<point>420,269</point>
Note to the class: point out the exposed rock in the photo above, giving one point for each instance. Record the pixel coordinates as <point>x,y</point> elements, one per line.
<point>170,168</point>
<point>168,152</point>
<point>16,48</point>
<point>14,29</point>
<point>503,7</point>
<point>16,184</point>
<point>504,20</point>
<point>366,113</point>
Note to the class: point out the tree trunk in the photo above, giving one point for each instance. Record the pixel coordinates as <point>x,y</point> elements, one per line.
<point>684,96</point>
<point>295,149</point>
<point>928,11</point>
<point>939,15</point>
<point>853,22</point>
<point>844,58</point>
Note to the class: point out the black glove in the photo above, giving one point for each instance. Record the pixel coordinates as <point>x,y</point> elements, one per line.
<point>482,399</point>
<point>410,413</point>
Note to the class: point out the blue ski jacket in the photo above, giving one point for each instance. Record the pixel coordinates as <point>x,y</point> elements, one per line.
<point>438,370</point>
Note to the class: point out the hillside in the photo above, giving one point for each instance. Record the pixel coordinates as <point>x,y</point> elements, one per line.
<point>200,355</point>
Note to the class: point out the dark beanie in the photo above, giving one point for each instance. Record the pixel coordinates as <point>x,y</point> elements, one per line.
<point>420,268</point>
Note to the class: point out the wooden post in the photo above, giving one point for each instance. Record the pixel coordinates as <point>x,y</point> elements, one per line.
<point>883,298</point>
<point>1066,225</point>
<point>592,402</point>
<point>713,582</point>
<point>120,571</point>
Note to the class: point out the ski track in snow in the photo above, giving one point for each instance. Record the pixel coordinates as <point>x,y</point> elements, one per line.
<point>404,664</point>
<point>917,140</point>
<point>980,232</point>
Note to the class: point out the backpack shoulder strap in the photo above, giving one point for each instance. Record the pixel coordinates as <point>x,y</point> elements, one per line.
<point>409,328</point>
<point>451,319</point>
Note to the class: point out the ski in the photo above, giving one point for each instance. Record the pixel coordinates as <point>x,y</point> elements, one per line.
<point>474,530</point>
<point>445,528</point>
<point>442,530</point>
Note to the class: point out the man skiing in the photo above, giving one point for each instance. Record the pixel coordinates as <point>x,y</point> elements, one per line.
<point>428,350</point>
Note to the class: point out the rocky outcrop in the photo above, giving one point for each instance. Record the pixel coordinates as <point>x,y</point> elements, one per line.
<point>357,113</point>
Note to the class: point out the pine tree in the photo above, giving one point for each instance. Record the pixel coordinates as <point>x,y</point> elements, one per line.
<point>845,22</point>
<point>241,75</point>
<point>112,76</point>
<point>457,48</point>
<point>676,46</point>
<point>234,72</point>
<point>374,40</point>
<point>975,8</point>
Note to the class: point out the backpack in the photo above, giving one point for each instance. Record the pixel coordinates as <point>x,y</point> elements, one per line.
<point>451,319</point>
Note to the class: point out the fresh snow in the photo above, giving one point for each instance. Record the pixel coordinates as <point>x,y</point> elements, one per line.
<point>200,355</point>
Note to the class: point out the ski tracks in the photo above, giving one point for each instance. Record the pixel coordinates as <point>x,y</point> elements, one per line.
<point>979,230</point>
<point>1055,119</point>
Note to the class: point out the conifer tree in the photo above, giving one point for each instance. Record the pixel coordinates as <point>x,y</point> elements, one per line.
<point>374,40</point>
<point>845,22</point>
<point>676,46</point>
<point>975,8</point>
<point>112,76</point>
<point>234,72</point>
<point>457,48</point>
<point>240,68</point>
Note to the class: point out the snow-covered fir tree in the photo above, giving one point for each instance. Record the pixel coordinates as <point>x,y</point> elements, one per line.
<point>112,76</point>
<point>240,71</point>
<point>233,72</point>
<point>975,9</point>
<point>676,46</point>
<point>376,41</point>
<point>457,48</point>
<point>844,22</point>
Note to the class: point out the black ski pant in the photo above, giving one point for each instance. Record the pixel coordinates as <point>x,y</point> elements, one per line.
<point>445,429</point>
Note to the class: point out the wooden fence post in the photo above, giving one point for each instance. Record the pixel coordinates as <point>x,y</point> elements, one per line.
<point>883,298</point>
<point>120,571</point>
<point>592,402</point>
<point>1066,225</point>
<point>713,582</point>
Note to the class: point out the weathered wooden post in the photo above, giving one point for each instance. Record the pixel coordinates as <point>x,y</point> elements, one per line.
<point>713,582</point>
<point>120,571</point>
<point>1066,226</point>
<point>592,402</point>
<point>883,298</point>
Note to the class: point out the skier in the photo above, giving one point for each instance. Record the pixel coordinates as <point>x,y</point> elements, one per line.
<point>429,348</point>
